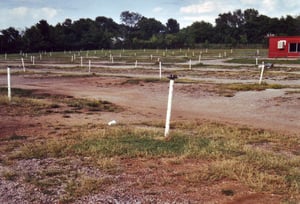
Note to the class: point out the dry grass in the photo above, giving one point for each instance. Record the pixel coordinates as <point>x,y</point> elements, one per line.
<point>231,152</point>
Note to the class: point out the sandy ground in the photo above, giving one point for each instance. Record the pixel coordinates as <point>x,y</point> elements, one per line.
<point>273,109</point>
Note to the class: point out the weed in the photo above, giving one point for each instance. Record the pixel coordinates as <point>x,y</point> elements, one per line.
<point>227,192</point>
<point>10,175</point>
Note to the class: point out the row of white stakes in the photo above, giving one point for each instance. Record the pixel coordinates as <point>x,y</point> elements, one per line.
<point>170,95</point>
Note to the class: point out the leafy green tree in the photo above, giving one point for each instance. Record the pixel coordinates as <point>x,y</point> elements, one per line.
<point>172,26</point>
<point>199,32</point>
<point>130,18</point>
<point>147,27</point>
<point>10,40</point>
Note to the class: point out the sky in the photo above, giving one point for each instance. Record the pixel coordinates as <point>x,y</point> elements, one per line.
<point>22,14</point>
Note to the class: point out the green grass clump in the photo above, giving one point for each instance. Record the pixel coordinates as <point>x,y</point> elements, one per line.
<point>251,157</point>
<point>253,61</point>
<point>251,87</point>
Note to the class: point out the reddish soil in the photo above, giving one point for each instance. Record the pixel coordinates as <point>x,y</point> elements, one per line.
<point>275,110</point>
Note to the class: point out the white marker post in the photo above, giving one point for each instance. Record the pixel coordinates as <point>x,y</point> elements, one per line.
<point>8,84</point>
<point>135,65</point>
<point>89,66</point>
<point>199,58</point>
<point>160,70</point>
<point>23,65</point>
<point>81,62</point>
<point>256,61</point>
<point>170,97</point>
<point>262,72</point>
<point>33,62</point>
<point>190,64</point>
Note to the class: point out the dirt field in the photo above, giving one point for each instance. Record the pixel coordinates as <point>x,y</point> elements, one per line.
<point>142,99</point>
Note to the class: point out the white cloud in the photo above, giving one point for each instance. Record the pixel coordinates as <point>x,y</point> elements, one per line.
<point>157,9</point>
<point>207,10</point>
<point>45,13</point>
<point>269,5</point>
<point>19,12</point>
<point>250,2</point>
<point>206,18</point>
<point>205,7</point>
<point>25,16</point>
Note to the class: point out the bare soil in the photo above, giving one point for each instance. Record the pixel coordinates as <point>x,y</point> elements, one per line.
<point>146,181</point>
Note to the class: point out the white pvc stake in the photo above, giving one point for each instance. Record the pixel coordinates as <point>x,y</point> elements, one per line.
<point>112,59</point>
<point>89,66</point>
<point>136,62</point>
<point>206,50</point>
<point>33,63</point>
<point>151,56</point>
<point>23,65</point>
<point>199,58</point>
<point>190,64</point>
<point>256,61</point>
<point>8,84</point>
<point>72,58</point>
<point>262,72</point>
<point>225,54</point>
<point>40,56</point>
<point>81,61</point>
<point>168,118</point>
<point>160,70</point>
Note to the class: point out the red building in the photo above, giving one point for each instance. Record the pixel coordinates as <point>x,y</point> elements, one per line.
<point>284,46</point>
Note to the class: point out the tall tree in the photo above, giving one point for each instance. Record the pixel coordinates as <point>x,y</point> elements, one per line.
<point>147,27</point>
<point>199,32</point>
<point>130,18</point>
<point>172,26</point>
<point>10,40</point>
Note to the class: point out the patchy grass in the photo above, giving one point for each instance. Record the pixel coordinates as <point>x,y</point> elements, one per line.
<point>251,87</point>
<point>252,61</point>
<point>252,157</point>
<point>135,81</point>
<point>29,102</point>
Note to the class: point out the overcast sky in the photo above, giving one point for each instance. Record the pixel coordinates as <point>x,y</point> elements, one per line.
<point>25,13</point>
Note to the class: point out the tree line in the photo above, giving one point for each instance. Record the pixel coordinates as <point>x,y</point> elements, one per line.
<point>237,28</point>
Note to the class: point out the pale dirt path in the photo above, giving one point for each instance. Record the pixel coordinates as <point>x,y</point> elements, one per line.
<point>270,109</point>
